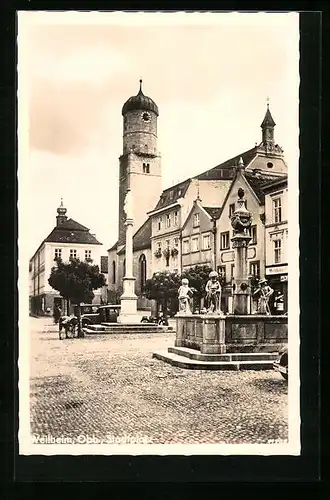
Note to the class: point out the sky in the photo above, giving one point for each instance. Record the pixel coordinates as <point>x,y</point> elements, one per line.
<point>210,75</point>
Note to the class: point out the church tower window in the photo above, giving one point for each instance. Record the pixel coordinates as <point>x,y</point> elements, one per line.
<point>146,168</point>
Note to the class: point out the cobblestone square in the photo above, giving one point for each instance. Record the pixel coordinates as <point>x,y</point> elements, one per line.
<point>109,385</point>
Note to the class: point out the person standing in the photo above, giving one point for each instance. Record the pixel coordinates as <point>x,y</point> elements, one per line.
<point>57,314</point>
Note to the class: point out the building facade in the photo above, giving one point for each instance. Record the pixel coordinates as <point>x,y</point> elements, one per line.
<point>68,239</point>
<point>188,224</point>
<point>276,237</point>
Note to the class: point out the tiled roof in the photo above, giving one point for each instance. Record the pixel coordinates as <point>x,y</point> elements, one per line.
<point>214,212</point>
<point>71,231</point>
<point>73,225</point>
<point>172,194</point>
<point>258,181</point>
<point>226,170</point>
<point>141,239</point>
<point>104,264</point>
<point>275,183</point>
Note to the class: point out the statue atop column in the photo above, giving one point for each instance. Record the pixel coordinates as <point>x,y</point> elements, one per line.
<point>241,222</point>
<point>241,219</point>
<point>213,293</point>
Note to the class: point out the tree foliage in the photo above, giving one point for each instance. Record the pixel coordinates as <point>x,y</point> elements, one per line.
<point>163,285</point>
<point>198,277</point>
<point>76,280</point>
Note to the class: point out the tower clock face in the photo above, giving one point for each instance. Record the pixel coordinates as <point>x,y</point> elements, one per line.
<point>146,116</point>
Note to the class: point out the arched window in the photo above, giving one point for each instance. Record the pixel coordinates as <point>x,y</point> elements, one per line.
<point>113,271</point>
<point>143,271</point>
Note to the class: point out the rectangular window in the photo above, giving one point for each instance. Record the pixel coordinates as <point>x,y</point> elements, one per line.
<point>195,244</point>
<point>73,253</point>
<point>253,234</point>
<point>277,251</point>
<point>231,209</point>
<point>168,220</point>
<point>196,220</point>
<point>222,271</point>
<point>232,270</point>
<point>88,254</point>
<point>206,242</point>
<point>176,242</point>
<point>146,168</point>
<point>185,246</point>
<point>159,223</point>
<point>224,240</point>
<point>58,253</point>
<point>176,218</point>
<point>167,242</point>
<point>255,268</point>
<point>277,210</point>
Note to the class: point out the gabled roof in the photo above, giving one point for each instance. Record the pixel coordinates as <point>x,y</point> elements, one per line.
<point>214,212</point>
<point>258,181</point>
<point>226,170</point>
<point>141,239</point>
<point>172,194</point>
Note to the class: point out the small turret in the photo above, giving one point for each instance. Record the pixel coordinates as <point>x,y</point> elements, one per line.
<point>61,217</point>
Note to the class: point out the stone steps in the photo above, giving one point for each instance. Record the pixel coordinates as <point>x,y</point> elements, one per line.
<point>194,364</point>
<point>116,328</point>
<point>243,356</point>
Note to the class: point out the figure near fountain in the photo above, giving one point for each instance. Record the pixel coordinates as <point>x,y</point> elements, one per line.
<point>213,293</point>
<point>185,294</point>
<point>263,292</point>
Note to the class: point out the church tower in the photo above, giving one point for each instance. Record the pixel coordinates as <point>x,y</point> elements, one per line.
<point>140,162</point>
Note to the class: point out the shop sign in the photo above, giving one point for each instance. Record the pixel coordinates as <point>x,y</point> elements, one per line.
<point>277,270</point>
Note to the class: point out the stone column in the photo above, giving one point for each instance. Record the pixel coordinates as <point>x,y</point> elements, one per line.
<point>128,301</point>
<point>241,222</point>
<point>241,288</point>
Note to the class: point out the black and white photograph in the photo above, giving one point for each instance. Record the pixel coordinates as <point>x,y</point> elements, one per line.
<point>158,238</point>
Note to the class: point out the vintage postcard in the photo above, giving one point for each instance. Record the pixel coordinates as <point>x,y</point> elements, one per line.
<point>158,233</point>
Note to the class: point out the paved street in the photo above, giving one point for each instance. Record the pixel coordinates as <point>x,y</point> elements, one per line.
<point>110,385</point>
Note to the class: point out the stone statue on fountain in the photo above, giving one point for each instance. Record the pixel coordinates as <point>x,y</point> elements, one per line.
<point>213,293</point>
<point>185,294</point>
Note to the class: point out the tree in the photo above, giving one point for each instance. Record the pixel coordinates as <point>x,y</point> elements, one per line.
<point>162,287</point>
<point>75,281</point>
<point>198,277</point>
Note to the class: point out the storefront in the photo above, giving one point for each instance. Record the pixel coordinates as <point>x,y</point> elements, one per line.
<point>277,277</point>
